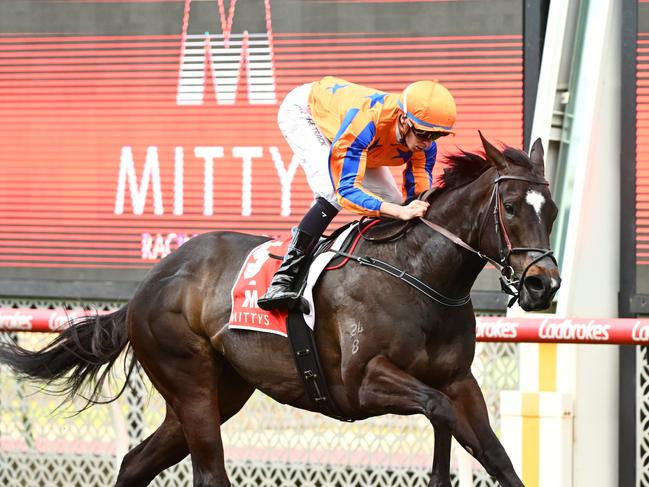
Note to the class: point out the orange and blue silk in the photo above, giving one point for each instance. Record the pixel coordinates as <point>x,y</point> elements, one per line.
<point>361,124</point>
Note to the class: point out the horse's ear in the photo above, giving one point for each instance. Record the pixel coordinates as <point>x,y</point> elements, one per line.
<point>494,156</point>
<point>536,156</point>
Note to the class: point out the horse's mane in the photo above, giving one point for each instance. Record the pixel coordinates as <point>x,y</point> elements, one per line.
<point>464,167</point>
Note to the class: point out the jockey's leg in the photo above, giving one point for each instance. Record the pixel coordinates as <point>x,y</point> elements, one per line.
<point>474,432</point>
<point>280,293</point>
<point>311,150</point>
<point>379,180</point>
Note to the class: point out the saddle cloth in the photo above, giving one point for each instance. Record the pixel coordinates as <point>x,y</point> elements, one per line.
<point>253,279</point>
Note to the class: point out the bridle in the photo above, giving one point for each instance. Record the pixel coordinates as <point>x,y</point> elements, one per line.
<point>508,281</point>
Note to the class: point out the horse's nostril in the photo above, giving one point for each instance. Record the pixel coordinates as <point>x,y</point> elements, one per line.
<point>534,284</point>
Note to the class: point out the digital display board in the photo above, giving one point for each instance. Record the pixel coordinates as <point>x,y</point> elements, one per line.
<point>128,127</point>
<point>642,151</point>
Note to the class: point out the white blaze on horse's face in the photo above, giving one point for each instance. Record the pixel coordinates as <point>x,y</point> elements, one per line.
<point>536,200</point>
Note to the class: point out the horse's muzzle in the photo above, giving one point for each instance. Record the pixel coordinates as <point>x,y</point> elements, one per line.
<point>538,289</point>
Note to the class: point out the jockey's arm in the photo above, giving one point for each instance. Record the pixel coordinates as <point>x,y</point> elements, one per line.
<point>418,174</point>
<point>347,163</point>
<point>348,160</point>
<point>414,209</point>
<point>417,177</point>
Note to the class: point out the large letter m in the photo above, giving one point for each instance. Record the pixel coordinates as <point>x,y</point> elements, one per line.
<point>226,55</point>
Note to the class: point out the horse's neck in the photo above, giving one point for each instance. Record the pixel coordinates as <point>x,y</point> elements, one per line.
<point>458,211</point>
<point>461,210</point>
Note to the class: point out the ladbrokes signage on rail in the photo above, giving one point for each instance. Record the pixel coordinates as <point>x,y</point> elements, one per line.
<point>125,137</point>
<point>562,330</point>
<point>489,329</point>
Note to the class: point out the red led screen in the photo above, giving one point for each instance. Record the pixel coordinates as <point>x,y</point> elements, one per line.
<point>119,145</point>
<point>642,156</point>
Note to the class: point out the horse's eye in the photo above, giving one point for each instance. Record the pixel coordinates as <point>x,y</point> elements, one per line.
<point>509,208</point>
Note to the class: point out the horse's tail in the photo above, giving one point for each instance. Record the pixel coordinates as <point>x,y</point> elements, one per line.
<point>80,356</point>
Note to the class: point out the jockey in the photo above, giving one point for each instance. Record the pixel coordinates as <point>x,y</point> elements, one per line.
<point>344,136</point>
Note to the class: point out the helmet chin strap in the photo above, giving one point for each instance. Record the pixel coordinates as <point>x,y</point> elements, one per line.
<point>404,116</point>
<point>403,121</point>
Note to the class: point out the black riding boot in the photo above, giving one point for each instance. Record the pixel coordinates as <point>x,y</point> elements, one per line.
<point>280,293</point>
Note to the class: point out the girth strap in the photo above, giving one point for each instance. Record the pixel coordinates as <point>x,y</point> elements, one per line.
<point>307,362</point>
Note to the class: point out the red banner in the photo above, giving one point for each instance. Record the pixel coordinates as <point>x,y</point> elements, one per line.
<point>612,331</point>
<point>119,148</point>
<point>40,320</point>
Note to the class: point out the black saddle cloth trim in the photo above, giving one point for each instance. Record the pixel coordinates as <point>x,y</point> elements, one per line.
<point>307,361</point>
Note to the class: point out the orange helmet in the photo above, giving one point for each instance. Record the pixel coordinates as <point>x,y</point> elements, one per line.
<point>429,106</point>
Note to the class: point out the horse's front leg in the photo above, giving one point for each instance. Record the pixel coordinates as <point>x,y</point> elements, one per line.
<point>441,475</point>
<point>385,388</point>
<point>474,433</point>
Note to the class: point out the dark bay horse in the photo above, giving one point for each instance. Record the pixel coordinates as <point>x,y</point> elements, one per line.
<point>413,355</point>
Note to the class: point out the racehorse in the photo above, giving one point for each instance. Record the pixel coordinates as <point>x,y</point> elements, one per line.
<point>413,356</point>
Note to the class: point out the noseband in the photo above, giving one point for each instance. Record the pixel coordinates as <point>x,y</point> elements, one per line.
<point>508,281</point>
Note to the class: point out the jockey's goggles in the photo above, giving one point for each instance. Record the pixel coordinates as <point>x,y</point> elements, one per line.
<point>425,135</point>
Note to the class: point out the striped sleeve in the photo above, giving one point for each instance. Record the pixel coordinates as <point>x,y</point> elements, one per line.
<point>347,162</point>
<point>418,173</point>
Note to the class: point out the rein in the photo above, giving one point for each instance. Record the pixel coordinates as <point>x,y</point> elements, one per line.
<point>409,279</point>
<point>508,282</point>
<point>401,231</point>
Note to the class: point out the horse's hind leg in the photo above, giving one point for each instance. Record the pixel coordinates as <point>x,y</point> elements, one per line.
<point>474,432</point>
<point>167,445</point>
<point>187,371</point>
<point>164,448</point>
<point>203,404</point>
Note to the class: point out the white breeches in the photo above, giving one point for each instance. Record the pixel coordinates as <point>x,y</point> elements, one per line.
<point>311,148</point>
